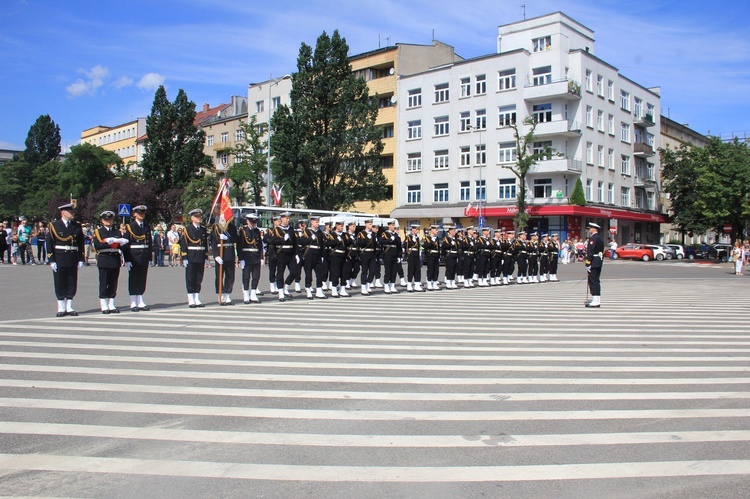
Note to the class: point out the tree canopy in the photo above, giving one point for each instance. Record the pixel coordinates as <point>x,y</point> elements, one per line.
<point>251,164</point>
<point>326,145</point>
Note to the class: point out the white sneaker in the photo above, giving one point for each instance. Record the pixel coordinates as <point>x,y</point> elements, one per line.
<point>403,282</point>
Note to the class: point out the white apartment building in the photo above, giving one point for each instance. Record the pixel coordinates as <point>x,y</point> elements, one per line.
<point>455,140</point>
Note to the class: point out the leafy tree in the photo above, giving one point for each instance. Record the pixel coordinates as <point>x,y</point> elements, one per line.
<point>12,187</point>
<point>174,147</point>
<point>43,186</point>
<point>200,193</point>
<point>251,164</point>
<point>577,197</point>
<point>526,159</point>
<point>116,191</point>
<point>86,168</point>
<point>327,148</point>
<point>42,142</point>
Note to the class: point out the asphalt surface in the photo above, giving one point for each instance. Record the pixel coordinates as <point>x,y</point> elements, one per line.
<point>514,391</point>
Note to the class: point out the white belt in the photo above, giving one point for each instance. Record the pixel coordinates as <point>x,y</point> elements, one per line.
<point>250,249</point>
<point>196,248</point>
<point>66,248</point>
<point>286,247</point>
<point>226,245</point>
<point>339,251</point>
<point>139,246</point>
<point>108,250</point>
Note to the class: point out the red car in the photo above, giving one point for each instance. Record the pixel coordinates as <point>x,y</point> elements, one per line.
<point>633,251</point>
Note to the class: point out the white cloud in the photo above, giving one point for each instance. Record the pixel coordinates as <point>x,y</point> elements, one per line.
<point>150,81</point>
<point>122,81</point>
<point>94,79</point>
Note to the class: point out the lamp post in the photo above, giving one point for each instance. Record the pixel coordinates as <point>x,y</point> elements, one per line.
<point>271,82</point>
<point>483,189</point>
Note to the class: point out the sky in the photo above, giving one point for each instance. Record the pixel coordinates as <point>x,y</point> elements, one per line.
<point>89,63</point>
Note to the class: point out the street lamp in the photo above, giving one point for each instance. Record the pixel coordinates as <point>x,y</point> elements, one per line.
<point>481,189</point>
<point>271,82</point>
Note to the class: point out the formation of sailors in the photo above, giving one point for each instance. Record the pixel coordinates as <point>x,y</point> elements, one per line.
<point>332,257</point>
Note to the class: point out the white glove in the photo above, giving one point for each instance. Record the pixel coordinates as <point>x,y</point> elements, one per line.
<point>129,265</point>
<point>80,264</point>
<point>110,240</point>
<point>588,269</point>
<point>219,260</point>
<point>296,257</point>
<point>286,237</point>
<point>185,263</point>
<point>223,237</point>
<point>314,237</point>
<point>53,266</point>
<point>122,241</point>
<point>262,262</point>
<point>398,260</point>
<point>242,264</point>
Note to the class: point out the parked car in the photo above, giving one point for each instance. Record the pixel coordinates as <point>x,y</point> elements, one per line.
<point>705,251</point>
<point>670,252</point>
<point>723,251</point>
<point>690,252</point>
<point>679,250</point>
<point>634,252</point>
<point>659,253</point>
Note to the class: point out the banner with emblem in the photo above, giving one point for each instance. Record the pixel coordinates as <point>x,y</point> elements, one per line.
<point>223,201</point>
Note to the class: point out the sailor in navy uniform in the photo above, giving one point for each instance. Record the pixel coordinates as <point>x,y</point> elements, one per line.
<point>450,248</point>
<point>137,255</point>
<point>250,252</point>
<point>413,260</point>
<point>431,247</point>
<point>66,256</point>
<point>554,252</point>
<point>284,238</point>
<point>366,244</point>
<point>194,249</point>
<point>222,245</point>
<point>594,260</point>
<point>389,251</point>
<point>338,250</point>
<point>107,242</point>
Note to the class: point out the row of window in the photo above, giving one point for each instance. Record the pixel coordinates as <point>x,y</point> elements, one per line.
<point>506,80</point>
<point>239,136</point>
<point>126,152</point>
<point>506,153</point>
<point>261,104</point>
<point>638,108</point>
<point>128,133</point>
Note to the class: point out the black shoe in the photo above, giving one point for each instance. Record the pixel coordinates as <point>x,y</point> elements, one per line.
<point>222,304</point>
<point>192,305</point>
<point>247,302</point>
<point>230,303</point>
<point>135,309</point>
<point>259,292</point>
<point>114,311</point>
<point>73,313</point>
<point>105,312</point>
<point>589,305</point>
<point>283,298</point>
<point>61,314</point>
<point>200,305</point>
<point>144,308</point>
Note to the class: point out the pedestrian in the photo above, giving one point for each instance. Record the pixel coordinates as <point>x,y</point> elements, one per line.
<point>66,254</point>
<point>137,254</point>
<point>4,242</point>
<point>554,252</point>
<point>270,254</point>
<point>594,257</point>
<point>24,236</point>
<point>223,238</point>
<point>389,252</point>
<point>310,247</point>
<point>173,242</point>
<point>194,250</point>
<point>41,243</point>
<point>87,235</point>
<point>738,258</point>
<point>352,263</point>
<point>450,248</point>
<point>612,248</point>
<point>158,240</point>
<point>107,242</point>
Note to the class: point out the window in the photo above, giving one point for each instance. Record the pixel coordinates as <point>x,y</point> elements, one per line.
<point>210,140</point>
<point>414,162</point>
<point>625,132</point>
<point>600,156</point>
<point>465,121</point>
<point>224,159</point>
<point>465,192</point>
<point>441,93</point>
<point>600,120</point>
<point>465,156</point>
<point>542,76</point>
<point>481,154</point>
<point>542,113</point>
<point>441,126</point>
<point>589,189</point>
<point>414,129</point>
<point>600,85</point>
<point>481,119</point>
<point>506,80</point>
<point>384,102</point>
<point>414,194</point>
<point>275,103</point>
<point>480,189</point>
<point>542,147</point>
<point>541,44</point>
<point>440,193</point>
<point>386,162</point>
<point>611,159</point>
<point>506,152</point>
<point>637,107</point>
<point>624,100</point>
<point>415,98</point>
<point>625,197</point>
<point>589,81</point>
<point>441,159</point>
<point>625,164</point>
<point>224,137</point>
<point>611,193</point>
<point>481,81</point>
<point>611,124</point>
<point>650,112</point>
<point>239,135</point>
<point>650,200</point>
<point>506,115</point>
<point>388,131</point>
<point>543,188</point>
<point>599,191</point>
<point>589,153</point>
<point>259,106</point>
<point>506,188</point>
<point>589,116</point>
<point>465,87</point>
<point>650,139</point>
<point>611,90</point>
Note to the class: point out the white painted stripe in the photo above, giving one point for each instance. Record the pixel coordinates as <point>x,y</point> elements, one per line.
<point>349,395</point>
<point>302,473</point>
<point>356,415</point>
<point>395,441</point>
<point>420,367</point>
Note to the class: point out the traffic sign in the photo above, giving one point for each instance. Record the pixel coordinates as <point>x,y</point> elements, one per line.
<point>481,222</point>
<point>123,210</point>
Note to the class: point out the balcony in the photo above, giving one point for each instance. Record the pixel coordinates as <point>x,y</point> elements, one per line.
<point>564,128</point>
<point>558,89</point>
<point>644,120</point>
<point>558,165</point>
<point>643,182</point>
<point>642,150</point>
<point>222,146</point>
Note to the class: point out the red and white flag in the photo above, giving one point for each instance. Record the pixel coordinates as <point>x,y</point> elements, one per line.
<point>225,205</point>
<point>470,211</point>
<point>276,194</point>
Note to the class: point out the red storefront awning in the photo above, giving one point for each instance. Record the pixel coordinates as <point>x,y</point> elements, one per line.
<point>558,210</point>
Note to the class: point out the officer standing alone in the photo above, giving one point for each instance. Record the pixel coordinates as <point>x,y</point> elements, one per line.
<point>594,259</point>
<point>66,256</point>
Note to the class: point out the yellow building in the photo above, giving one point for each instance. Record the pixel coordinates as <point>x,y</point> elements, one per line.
<point>380,69</point>
<point>120,139</point>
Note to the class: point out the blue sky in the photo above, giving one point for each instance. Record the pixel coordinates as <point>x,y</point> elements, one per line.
<point>88,63</point>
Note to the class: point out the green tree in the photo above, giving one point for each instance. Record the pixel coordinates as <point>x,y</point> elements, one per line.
<point>86,168</point>
<point>327,149</point>
<point>526,159</point>
<point>43,186</point>
<point>42,142</point>
<point>12,187</point>
<point>251,164</point>
<point>577,197</point>
<point>174,147</point>
<point>200,193</point>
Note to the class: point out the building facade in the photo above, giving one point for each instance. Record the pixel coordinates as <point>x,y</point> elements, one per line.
<point>120,139</point>
<point>223,132</point>
<point>457,139</point>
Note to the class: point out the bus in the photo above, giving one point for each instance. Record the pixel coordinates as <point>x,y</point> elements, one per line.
<point>266,213</point>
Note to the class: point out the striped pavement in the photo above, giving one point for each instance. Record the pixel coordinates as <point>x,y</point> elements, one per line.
<point>517,391</point>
